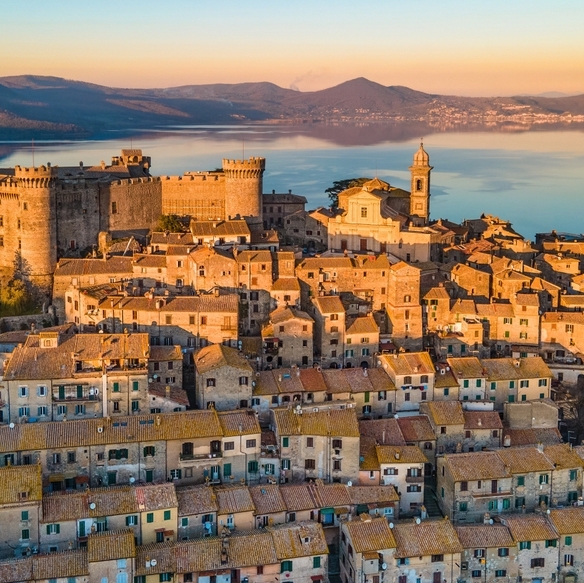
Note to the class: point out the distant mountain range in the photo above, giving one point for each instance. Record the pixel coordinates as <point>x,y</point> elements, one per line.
<point>35,106</point>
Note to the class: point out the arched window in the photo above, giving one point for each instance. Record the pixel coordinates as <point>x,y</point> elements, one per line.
<point>419,184</point>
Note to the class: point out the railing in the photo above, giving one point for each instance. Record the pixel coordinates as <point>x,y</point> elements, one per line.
<point>200,456</point>
<point>414,479</point>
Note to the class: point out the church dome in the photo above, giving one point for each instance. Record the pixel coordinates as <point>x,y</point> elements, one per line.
<point>421,157</point>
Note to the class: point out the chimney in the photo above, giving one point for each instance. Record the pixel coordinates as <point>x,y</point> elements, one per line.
<point>167,391</point>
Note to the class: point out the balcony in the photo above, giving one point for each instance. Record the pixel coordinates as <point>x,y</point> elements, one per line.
<point>414,479</point>
<point>187,457</point>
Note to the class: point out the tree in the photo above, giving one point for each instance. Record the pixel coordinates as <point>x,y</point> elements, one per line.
<point>340,185</point>
<point>170,223</point>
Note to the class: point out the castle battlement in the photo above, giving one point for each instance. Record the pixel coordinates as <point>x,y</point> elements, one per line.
<point>150,179</point>
<point>252,163</point>
<point>36,177</point>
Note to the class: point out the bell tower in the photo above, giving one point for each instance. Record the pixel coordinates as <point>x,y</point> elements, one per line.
<point>420,188</point>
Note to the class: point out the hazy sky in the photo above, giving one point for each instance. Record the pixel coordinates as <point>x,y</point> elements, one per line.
<point>472,47</point>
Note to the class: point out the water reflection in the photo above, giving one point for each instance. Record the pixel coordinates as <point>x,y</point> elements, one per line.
<point>535,178</point>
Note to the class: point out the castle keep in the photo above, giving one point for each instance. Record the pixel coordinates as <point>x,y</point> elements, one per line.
<point>47,212</point>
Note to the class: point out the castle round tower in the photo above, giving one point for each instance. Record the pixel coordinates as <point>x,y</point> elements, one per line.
<point>420,187</point>
<point>37,223</point>
<point>244,189</point>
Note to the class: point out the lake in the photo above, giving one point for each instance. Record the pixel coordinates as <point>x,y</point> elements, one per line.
<point>535,179</point>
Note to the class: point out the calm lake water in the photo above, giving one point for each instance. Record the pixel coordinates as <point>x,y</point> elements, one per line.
<point>535,179</point>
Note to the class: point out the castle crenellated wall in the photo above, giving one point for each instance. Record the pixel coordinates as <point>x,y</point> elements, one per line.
<point>45,215</point>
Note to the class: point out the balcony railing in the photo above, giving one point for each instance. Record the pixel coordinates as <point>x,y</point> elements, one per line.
<point>200,456</point>
<point>414,479</point>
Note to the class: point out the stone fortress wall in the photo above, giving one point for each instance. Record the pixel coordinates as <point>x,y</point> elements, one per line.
<point>47,212</point>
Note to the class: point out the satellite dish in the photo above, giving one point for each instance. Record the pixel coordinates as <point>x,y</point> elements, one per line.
<point>384,566</point>
<point>491,521</point>
<point>391,525</point>
<point>132,479</point>
<point>418,521</point>
<point>11,426</point>
<point>349,483</point>
<point>298,407</point>
<point>92,506</point>
<point>154,562</point>
<point>548,511</point>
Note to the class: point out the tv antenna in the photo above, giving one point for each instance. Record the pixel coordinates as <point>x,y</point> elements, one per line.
<point>33,152</point>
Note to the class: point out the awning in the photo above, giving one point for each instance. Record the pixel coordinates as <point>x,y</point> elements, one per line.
<point>316,577</point>
<point>342,510</point>
<point>70,475</point>
<point>327,510</point>
<point>363,508</point>
<point>371,556</point>
<point>82,479</point>
<point>56,478</point>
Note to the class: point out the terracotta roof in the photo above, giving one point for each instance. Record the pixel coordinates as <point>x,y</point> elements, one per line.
<point>233,499</point>
<point>416,428</point>
<point>484,465</point>
<point>467,367</point>
<point>162,553</point>
<point>160,353</point>
<point>383,431</point>
<point>196,500</point>
<point>371,534</point>
<point>546,435</point>
<point>60,565</point>
<point>405,454</point>
<point>298,497</point>
<point>244,550</point>
<point>16,570</point>
<point>372,494</point>
<point>408,363</point>
<point>109,501</point>
<point>445,412</point>
<point>80,267</point>
<point>330,494</point>
<point>286,284</point>
<point>118,430</point>
<point>312,380</point>
<point>563,456</point>
<point>530,527</point>
<point>362,325</point>
<point>20,484</point>
<point>300,539</point>
<point>568,520</point>
<point>177,395</point>
<point>283,314</point>
<point>482,536</point>
<point>267,499</point>
<point>242,422</point>
<point>217,355</point>
<point>521,460</point>
<point>516,368</point>
<point>430,537</point>
<point>32,361</point>
<point>332,422</point>
<point>111,545</point>
<point>482,420</point>
<point>328,304</point>
<point>218,229</point>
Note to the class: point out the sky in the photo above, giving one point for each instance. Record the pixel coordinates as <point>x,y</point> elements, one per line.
<point>493,47</point>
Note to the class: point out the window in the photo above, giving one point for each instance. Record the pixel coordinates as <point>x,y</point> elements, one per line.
<point>500,573</point>
<point>22,391</point>
<point>309,464</point>
<point>521,480</point>
<point>337,443</point>
<point>243,381</point>
<point>463,486</point>
<point>437,558</point>
<point>476,573</point>
<point>337,465</point>
<point>165,577</point>
<point>573,475</point>
<point>525,545</point>
<point>310,442</point>
<point>150,517</point>
<point>285,441</point>
<point>56,458</point>
<point>42,411</point>
<point>24,515</point>
<point>543,478</point>
<point>252,467</point>
<point>523,384</point>
<point>503,552</point>
<point>465,383</point>
<point>568,541</point>
<point>229,445</point>
<point>568,560</point>
<point>132,520</point>
<point>149,451</point>
<point>363,212</point>
<point>539,562</point>
<point>210,382</point>
<point>285,464</point>
<point>285,566</point>
<point>53,528</point>
<point>116,388</point>
<point>167,515</point>
<point>551,543</point>
<point>25,534</point>
<point>71,457</point>
<point>316,562</point>
<point>250,443</point>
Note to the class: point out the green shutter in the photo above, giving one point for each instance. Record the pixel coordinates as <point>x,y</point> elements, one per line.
<point>316,562</point>
<point>226,470</point>
<point>135,385</point>
<point>366,396</point>
<point>167,515</point>
<point>150,517</point>
<point>116,387</point>
<point>80,391</point>
<point>568,541</point>
<point>61,392</point>
<point>285,441</point>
